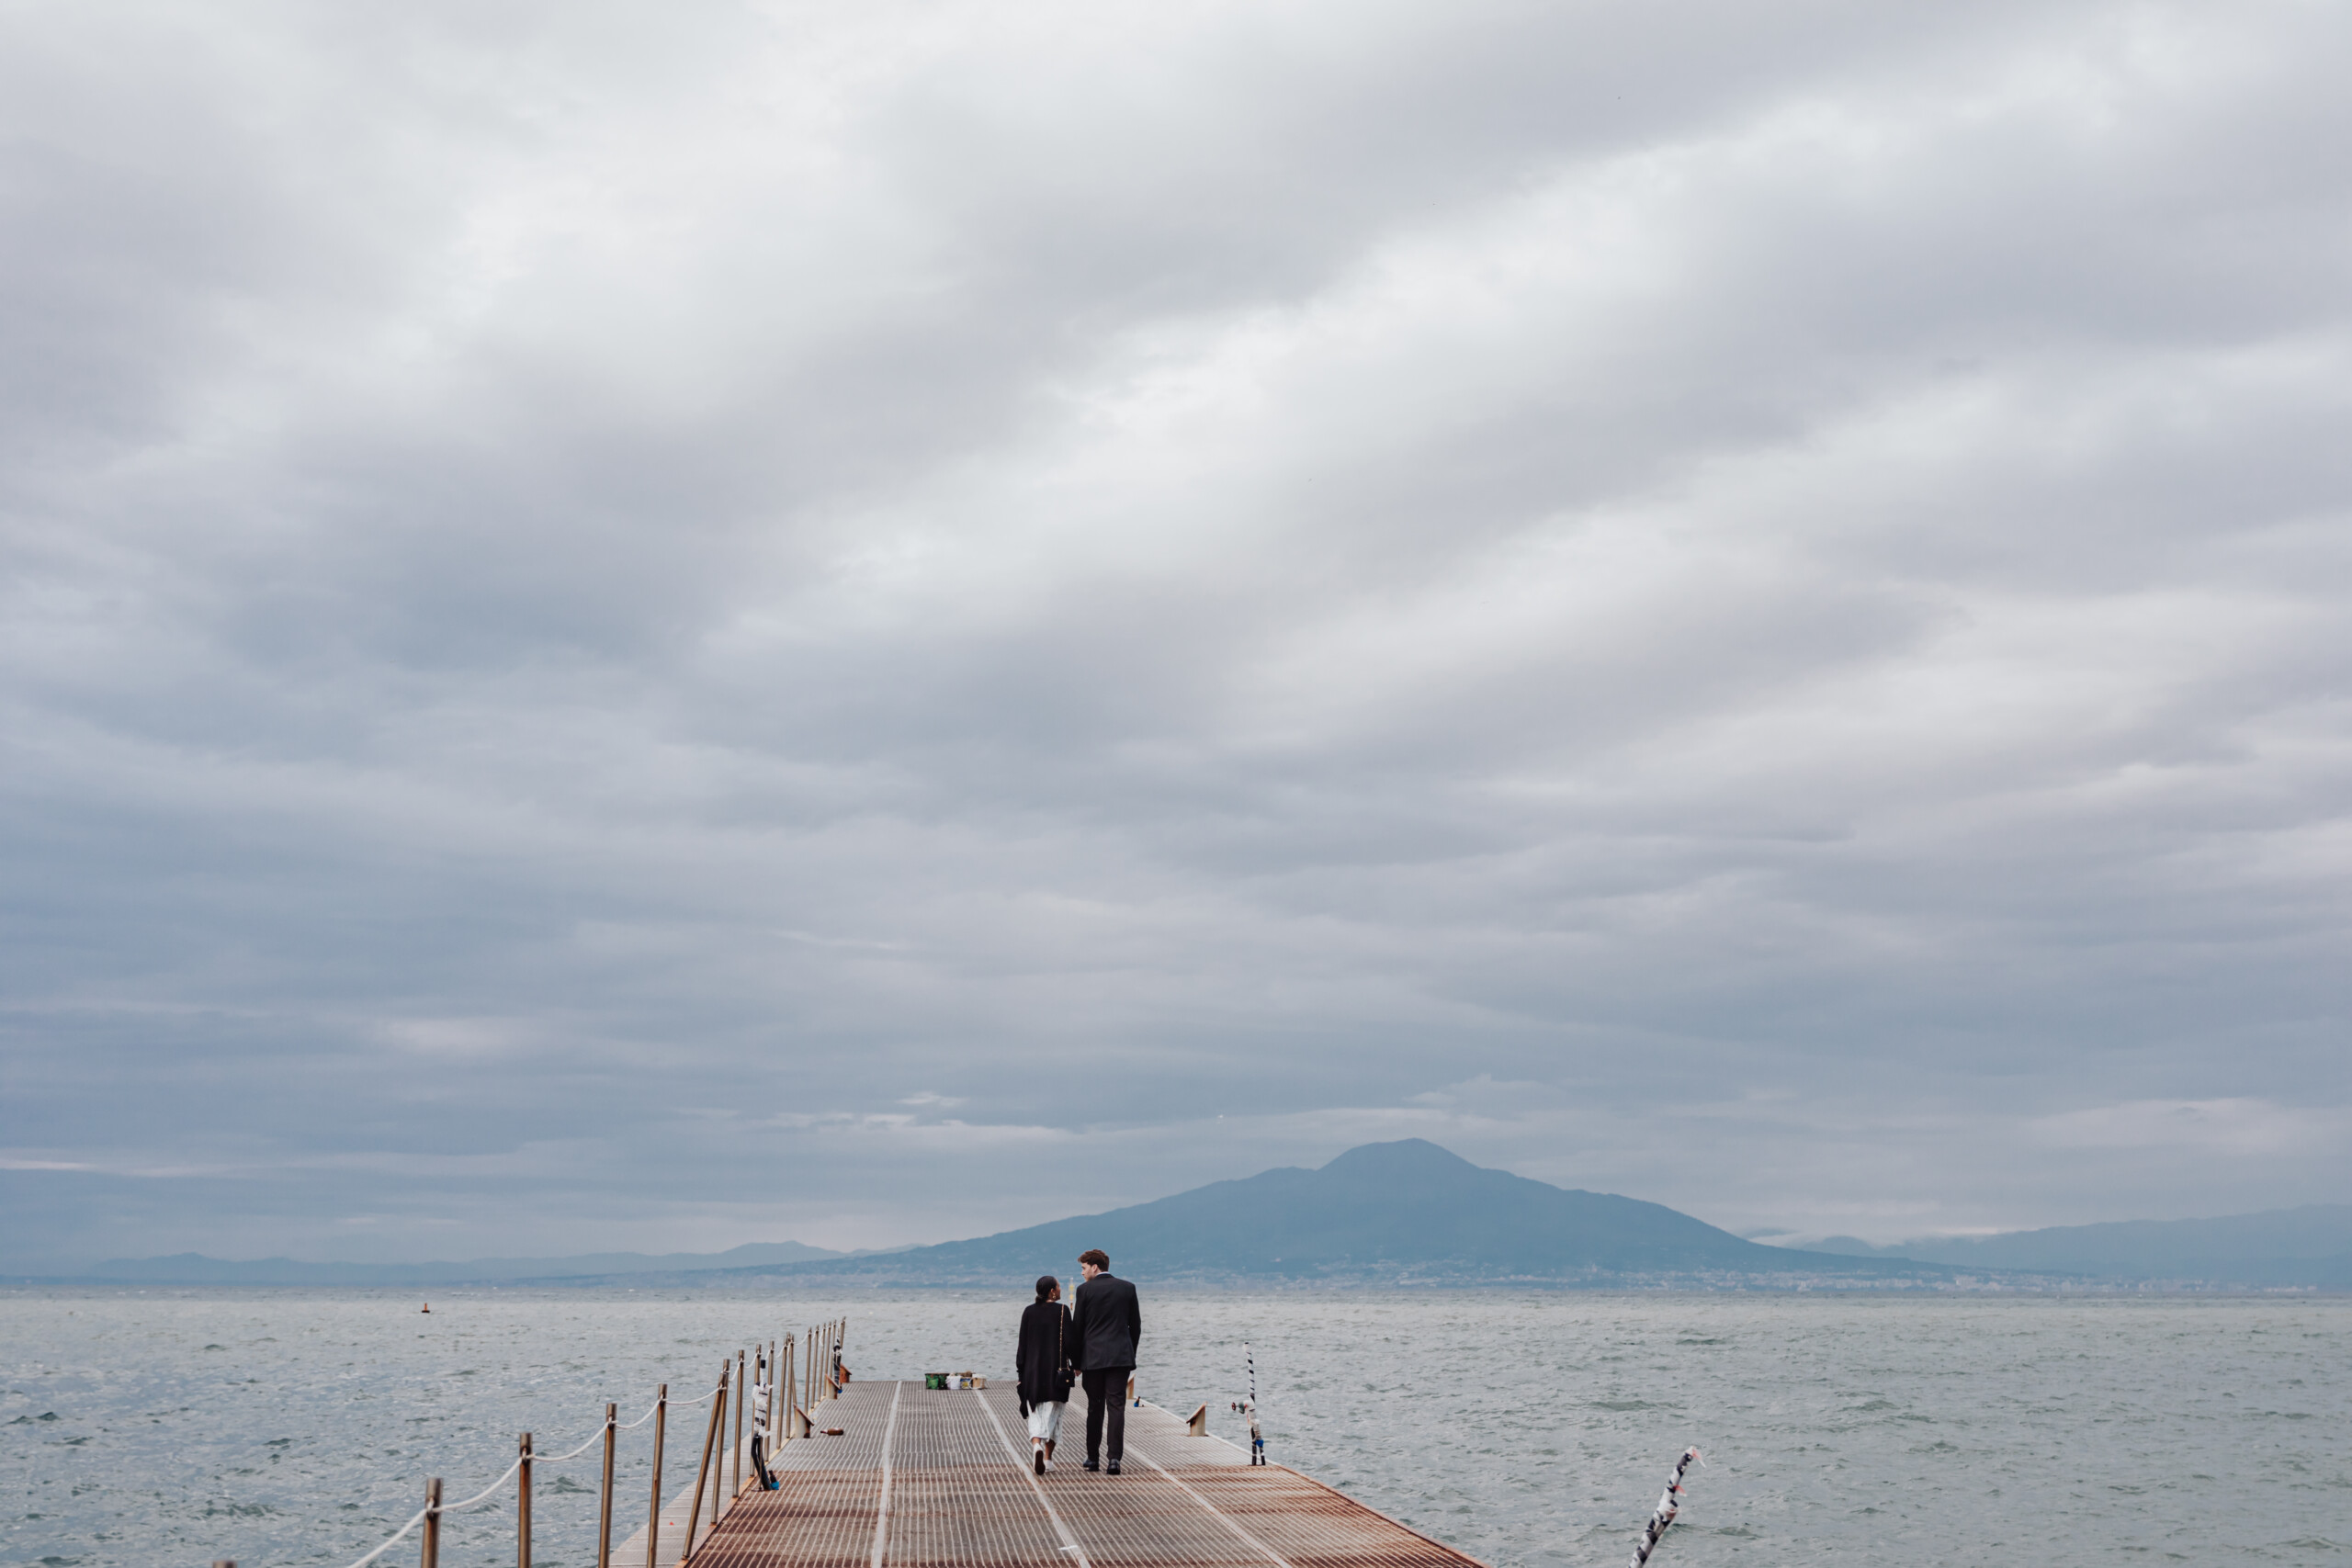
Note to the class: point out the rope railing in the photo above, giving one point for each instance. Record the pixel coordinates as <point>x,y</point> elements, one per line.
<point>396,1537</point>
<point>776,1372</point>
<point>575,1453</point>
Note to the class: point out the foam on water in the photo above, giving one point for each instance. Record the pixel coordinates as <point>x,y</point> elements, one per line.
<point>297,1428</point>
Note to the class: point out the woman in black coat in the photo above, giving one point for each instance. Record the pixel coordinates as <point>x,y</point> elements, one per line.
<point>1044,1364</point>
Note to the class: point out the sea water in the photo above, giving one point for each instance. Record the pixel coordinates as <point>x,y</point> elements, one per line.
<point>175,1427</point>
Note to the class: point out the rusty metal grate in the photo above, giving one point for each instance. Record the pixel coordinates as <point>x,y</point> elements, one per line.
<point>958,1499</point>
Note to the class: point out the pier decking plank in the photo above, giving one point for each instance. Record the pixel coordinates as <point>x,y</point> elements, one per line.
<point>932,1479</point>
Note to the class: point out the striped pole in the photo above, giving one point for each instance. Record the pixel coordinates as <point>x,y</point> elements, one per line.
<point>1669,1504</point>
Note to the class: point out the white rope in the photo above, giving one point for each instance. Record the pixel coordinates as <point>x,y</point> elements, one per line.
<point>395,1539</point>
<point>559,1459</point>
<point>402,1533</point>
<point>485,1491</point>
<point>705,1399</point>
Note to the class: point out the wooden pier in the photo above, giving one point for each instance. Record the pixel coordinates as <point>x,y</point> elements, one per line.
<point>928,1478</point>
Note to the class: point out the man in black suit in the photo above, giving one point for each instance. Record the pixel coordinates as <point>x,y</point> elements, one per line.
<point>1108,1324</point>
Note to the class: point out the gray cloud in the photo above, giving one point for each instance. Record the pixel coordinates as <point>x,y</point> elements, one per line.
<point>649,631</point>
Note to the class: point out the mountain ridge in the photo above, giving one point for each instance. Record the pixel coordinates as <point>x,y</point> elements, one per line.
<point>1397,1213</point>
<point>2308,1245</point>
<point>1406,1212</point>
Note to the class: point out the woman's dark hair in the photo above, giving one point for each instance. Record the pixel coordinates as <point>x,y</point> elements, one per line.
<point>1046,1285</point>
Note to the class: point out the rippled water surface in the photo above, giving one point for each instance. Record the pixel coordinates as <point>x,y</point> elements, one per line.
<point>284,1427</point>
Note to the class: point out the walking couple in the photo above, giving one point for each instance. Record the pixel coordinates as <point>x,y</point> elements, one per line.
<point>1096,1342</point>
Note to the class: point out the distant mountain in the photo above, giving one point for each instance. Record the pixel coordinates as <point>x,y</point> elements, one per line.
<point>1382,1212</point>
<point>2310,1245</point>
<point>195,1269</point>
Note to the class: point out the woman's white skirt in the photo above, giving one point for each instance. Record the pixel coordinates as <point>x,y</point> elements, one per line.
<point>1046,1420</point>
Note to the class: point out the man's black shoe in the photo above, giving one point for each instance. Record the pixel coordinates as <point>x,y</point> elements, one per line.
<point>1089,1464</point>
<point>1114,1470</point>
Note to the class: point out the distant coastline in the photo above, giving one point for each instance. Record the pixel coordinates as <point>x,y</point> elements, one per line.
<point>1402,1216</point>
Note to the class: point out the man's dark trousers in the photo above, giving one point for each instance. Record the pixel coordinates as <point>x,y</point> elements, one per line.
<point>1106,1395</point>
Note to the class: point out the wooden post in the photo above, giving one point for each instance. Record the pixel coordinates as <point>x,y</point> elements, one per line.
<point>431,1557</point>
<point>604,1503</point>
<point>739,1429</point>
<point>523,1509</point>
<point>709,1435</point>
<point>654,1521</point>
<point>718,1458</point>
<point>788,1390</point>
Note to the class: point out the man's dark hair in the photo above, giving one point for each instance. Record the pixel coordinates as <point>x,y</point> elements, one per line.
<point>1047,1286</point>
<point>1096,1256</point>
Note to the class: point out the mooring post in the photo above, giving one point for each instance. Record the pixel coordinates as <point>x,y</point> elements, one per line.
<point>653,1520</point>
<point>431,1557</point>
<point>709,1435</point>
<point>605,1505</point>
<point>523,1507</point>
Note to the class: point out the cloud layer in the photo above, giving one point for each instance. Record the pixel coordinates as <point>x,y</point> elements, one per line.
<point>665,629</point>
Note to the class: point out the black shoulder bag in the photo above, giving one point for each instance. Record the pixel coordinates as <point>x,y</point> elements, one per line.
<point>1063,1374</point>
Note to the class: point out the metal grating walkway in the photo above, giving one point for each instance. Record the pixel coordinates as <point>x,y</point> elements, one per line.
<point>926,1479</point>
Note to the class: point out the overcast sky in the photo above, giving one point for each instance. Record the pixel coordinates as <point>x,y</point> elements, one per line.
<point>661,626</point>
